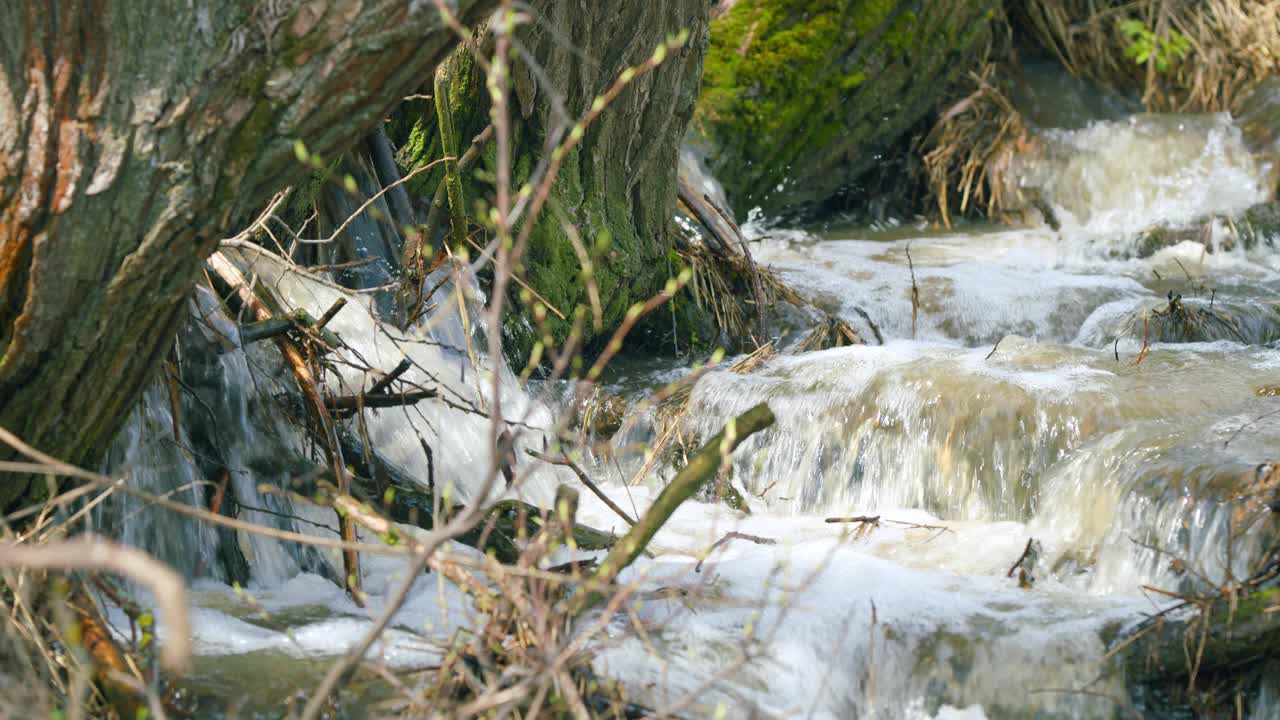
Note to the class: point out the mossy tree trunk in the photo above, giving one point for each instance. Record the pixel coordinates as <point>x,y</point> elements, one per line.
<point>132,136</point>
<point>803,99</point>
<point>619,184</point>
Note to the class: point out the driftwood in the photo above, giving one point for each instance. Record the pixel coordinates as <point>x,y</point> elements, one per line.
<point>702,466</point>
<point>346,404</point>
<point>266,329</point>
<point>300,321</point>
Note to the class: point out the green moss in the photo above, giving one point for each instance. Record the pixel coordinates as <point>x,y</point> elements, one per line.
<point>791,87</point>
<point>605,189</point>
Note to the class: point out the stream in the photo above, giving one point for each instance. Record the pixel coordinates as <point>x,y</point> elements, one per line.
<point>1022,401</point>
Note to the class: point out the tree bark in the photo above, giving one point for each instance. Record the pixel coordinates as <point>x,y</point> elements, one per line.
<point>132,135</point>
<point>619,183</point>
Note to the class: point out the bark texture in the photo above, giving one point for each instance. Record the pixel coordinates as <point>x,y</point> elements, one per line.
<point>620,183</point>
<point>132,134</point>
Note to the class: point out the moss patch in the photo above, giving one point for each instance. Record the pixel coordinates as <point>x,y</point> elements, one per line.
<point>799,96</point>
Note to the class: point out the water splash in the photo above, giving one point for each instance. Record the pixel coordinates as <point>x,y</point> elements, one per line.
<point>1113,179</point>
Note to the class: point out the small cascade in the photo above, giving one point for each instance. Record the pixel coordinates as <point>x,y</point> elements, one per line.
<point>233,439</point>
<point>1092,452</point>
<point>1051,389</point>
<point>1053,397</point>
<point>1110,180</point>
<point>153,460</point>
<point>225,444</point>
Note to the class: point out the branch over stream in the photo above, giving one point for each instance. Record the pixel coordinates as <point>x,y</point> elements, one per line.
<point>702,467</point>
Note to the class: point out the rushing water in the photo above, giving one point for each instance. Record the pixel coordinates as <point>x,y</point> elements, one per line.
<point>1021,400</point>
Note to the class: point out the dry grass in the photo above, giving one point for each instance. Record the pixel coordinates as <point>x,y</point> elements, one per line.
<point>970,151</point>
<point>1233,45</point>
<point>969,154</point>
<point>723,284</point>
<point>832,333</point>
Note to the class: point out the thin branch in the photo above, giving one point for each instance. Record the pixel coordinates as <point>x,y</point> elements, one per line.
<point>92,553</point>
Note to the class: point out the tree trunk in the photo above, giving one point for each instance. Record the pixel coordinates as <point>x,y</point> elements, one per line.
<point>619,183</point>
<point>132,134</point>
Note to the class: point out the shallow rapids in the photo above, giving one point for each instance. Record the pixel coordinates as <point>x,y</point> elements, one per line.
<point>1047,387</point>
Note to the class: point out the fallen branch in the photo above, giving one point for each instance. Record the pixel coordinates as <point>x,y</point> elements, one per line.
<point>344,404</point>
<point>702,466</point>
<point>757,539</point>
<point>386,380</point>
<point>294,358</point>
<point>333,310</point>
<point>265,329</point>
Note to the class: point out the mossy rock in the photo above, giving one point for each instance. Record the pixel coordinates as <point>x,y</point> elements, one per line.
<point>802,99</point>
<point>1258,225</point>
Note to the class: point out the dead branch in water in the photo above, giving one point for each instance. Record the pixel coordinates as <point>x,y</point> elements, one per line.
<point>915,293</point>
<point>330,313</point>
<point>701,467</point>
<point>1025,564</point>
<point>344,405</point>
<point>735,535</point>
<point>564,461</point>
<point>854,519</point>
<point>385,382</point>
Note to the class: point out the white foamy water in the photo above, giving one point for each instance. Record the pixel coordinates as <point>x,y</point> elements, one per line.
<point>966,450</point>
<point>1117,178</point>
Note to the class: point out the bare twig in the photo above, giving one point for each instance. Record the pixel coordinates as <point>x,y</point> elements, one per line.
<point>757,539</point>
<point>88,552</point>
<point>564,461</point>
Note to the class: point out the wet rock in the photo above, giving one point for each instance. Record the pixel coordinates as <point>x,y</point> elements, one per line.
<point>1259,118</point>
<point>601,414</point>
<point>1255,227</point>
